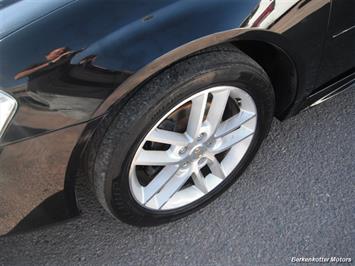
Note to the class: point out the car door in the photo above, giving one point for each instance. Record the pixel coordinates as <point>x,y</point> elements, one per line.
<point>339,53</point>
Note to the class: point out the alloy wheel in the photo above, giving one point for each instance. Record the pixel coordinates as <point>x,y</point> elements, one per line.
<point>193,148</point>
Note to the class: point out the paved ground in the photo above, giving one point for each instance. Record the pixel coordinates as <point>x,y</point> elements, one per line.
<point>295,199</point>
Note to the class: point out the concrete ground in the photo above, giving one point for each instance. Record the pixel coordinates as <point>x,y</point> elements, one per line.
<point>296,199</point>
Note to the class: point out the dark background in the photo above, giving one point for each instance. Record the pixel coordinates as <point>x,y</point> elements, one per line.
<point>295,199</point>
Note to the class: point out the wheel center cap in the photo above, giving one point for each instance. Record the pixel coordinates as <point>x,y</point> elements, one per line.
<point>197,153</point>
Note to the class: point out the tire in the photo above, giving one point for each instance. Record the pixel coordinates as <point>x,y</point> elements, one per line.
<point>116,143</point>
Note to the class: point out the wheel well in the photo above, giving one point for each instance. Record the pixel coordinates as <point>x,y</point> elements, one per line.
<point>275,62</point>
<point>280,69</point>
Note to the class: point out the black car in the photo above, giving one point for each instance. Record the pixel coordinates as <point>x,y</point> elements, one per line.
<point>161,105</point>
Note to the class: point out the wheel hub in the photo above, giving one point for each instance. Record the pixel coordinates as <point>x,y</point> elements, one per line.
<point>197,152</point>
<point>194,156</point>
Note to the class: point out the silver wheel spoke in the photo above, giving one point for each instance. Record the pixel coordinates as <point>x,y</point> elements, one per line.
<point>217,107</point>
<point>199,181</point>
<point>170,188</point>
<point>215,166</point>
<point>146,157</point>
<point>233,138</point>
<point>159,181</point>
<point>168,137</point>
<point>196,115</point>
<point>233,123</point>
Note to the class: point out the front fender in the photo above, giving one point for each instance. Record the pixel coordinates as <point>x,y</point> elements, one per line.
<point>63,66</point>
<point>70,66</point>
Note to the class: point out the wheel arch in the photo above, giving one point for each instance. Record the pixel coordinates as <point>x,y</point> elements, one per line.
<point>270,50</point>
<point>280,69</point>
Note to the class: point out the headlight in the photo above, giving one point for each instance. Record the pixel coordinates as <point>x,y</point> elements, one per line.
<point>8,106</point>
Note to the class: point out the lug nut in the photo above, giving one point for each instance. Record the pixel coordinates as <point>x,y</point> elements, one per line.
<point>210,143</point>
<point>182,150</point>
<point>201,136</point>
<point>186,165</point>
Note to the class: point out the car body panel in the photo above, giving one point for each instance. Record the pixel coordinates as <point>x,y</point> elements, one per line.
<point>72,63</point>
<point>339,52</point>
<point>71,70</point>
<point>31,172</point>
<point>12,20</point>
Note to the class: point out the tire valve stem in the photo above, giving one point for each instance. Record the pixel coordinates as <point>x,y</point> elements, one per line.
<point>238,101</point>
